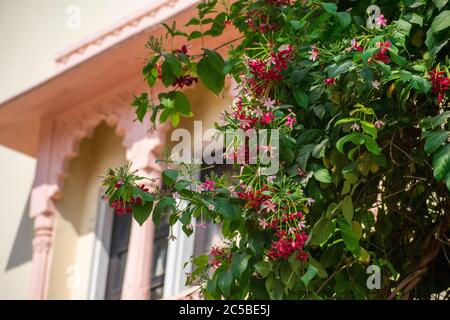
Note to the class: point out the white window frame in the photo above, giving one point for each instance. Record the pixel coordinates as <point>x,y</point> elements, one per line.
<point>101,250</point>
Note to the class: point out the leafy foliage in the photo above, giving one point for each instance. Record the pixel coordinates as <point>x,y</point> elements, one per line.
<point>360,100</point>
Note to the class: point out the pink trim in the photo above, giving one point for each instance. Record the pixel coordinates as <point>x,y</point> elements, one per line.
<point>136,284</point>
<point>42,209</point>
<point>59,144</point>
<point>137,279</point>
<point>127,27</point>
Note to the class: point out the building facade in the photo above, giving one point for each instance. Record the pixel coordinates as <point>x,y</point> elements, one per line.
<point>76,124</point>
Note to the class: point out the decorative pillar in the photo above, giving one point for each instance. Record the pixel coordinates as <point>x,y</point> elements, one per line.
<point>138,269</point>
<point>42,209</point>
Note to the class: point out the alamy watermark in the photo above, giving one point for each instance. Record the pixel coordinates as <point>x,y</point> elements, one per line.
<point>73,21</point>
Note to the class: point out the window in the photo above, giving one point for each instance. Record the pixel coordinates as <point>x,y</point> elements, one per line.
<point>118,256</point>
<point>210,236</point>
<point>180,251</point>
<point>160,243</point>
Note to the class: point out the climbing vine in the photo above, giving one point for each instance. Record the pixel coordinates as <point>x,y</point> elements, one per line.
<point>358,93</point>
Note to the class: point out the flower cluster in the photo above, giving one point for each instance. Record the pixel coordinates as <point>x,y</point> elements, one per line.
<point>314,53</point>
<point>185,81</point>
<point>122,207</point>
<point>382,54</point>
<point>440,83</point>
<point>263,26</point>
<point>286,245</point>
<point>218,255</point>
<point>254,198</point>
<point>355,46</point>
<point>207,185</point>
<point>266,71</point>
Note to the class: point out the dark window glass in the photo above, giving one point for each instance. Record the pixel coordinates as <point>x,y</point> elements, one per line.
<point>160,244</point>
<point>118,256</point>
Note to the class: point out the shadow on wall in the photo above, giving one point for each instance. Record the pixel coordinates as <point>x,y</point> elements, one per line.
<point>21,251</point>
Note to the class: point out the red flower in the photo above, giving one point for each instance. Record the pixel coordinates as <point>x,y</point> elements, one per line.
<point>439,82</point>
<point>208,185</point>
<point>330,81</point>
<point>267,118</point>
<point>290,121</point>
<point>356,46</point>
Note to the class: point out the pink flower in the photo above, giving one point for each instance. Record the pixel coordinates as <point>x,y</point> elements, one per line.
<point>208,185</point>
<point>263,223</point>
<point>270,179</point>
<point>378,124</point>
<point>301,225</point>
<point>381,21</point>
<point>330,81</point>
<point>267,118</point>
<point>269,103</point>
<point>290,121</point>
<point>269,206</point>
<point>355,127</point>
<point>314,53</point>
<point>356,46</point>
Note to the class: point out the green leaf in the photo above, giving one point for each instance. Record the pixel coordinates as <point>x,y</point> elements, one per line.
<point>371,145</point>
<point>167,77</point>
<point>440,3</point>
<point>357,229</point>
<point>355,138</point>
<point>210,71</point>
<point>224,281</point>
<point>329,7</point>
<point>335,70</point>
<point>263,268</point>
<point>169,176</point>
<point>161,208</point>
<point>141,103</point>
<point>321,173</point>
<point>347,208</point>
<point>181,104</point>
<point>433,122</point>
<point>309,275</point>
<point>229,211</point>
<point>344,18</point>
<point>441,22</point>
<point>350,240</point>
<point>175,119</point>
<point>322,273</point>
<point>301,97</point>
<point>173,64</point>
<point>193,22</point>
<point>165,115</point>
<point>239,264</point>
<point>420,84</point>
<point>441,163</point>
<point>369,128</point>
<point>417,19</point>
<point>321,231</point>
<point>434,140</point>
<point>142,212</point>
<point>150,71</point>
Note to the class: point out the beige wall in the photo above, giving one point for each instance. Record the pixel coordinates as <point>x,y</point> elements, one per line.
<point>32,32</point>
<point>75,222</point>
<point>16,178</point>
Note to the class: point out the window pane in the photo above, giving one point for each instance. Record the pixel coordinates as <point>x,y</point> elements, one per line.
<point>118,255</point>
